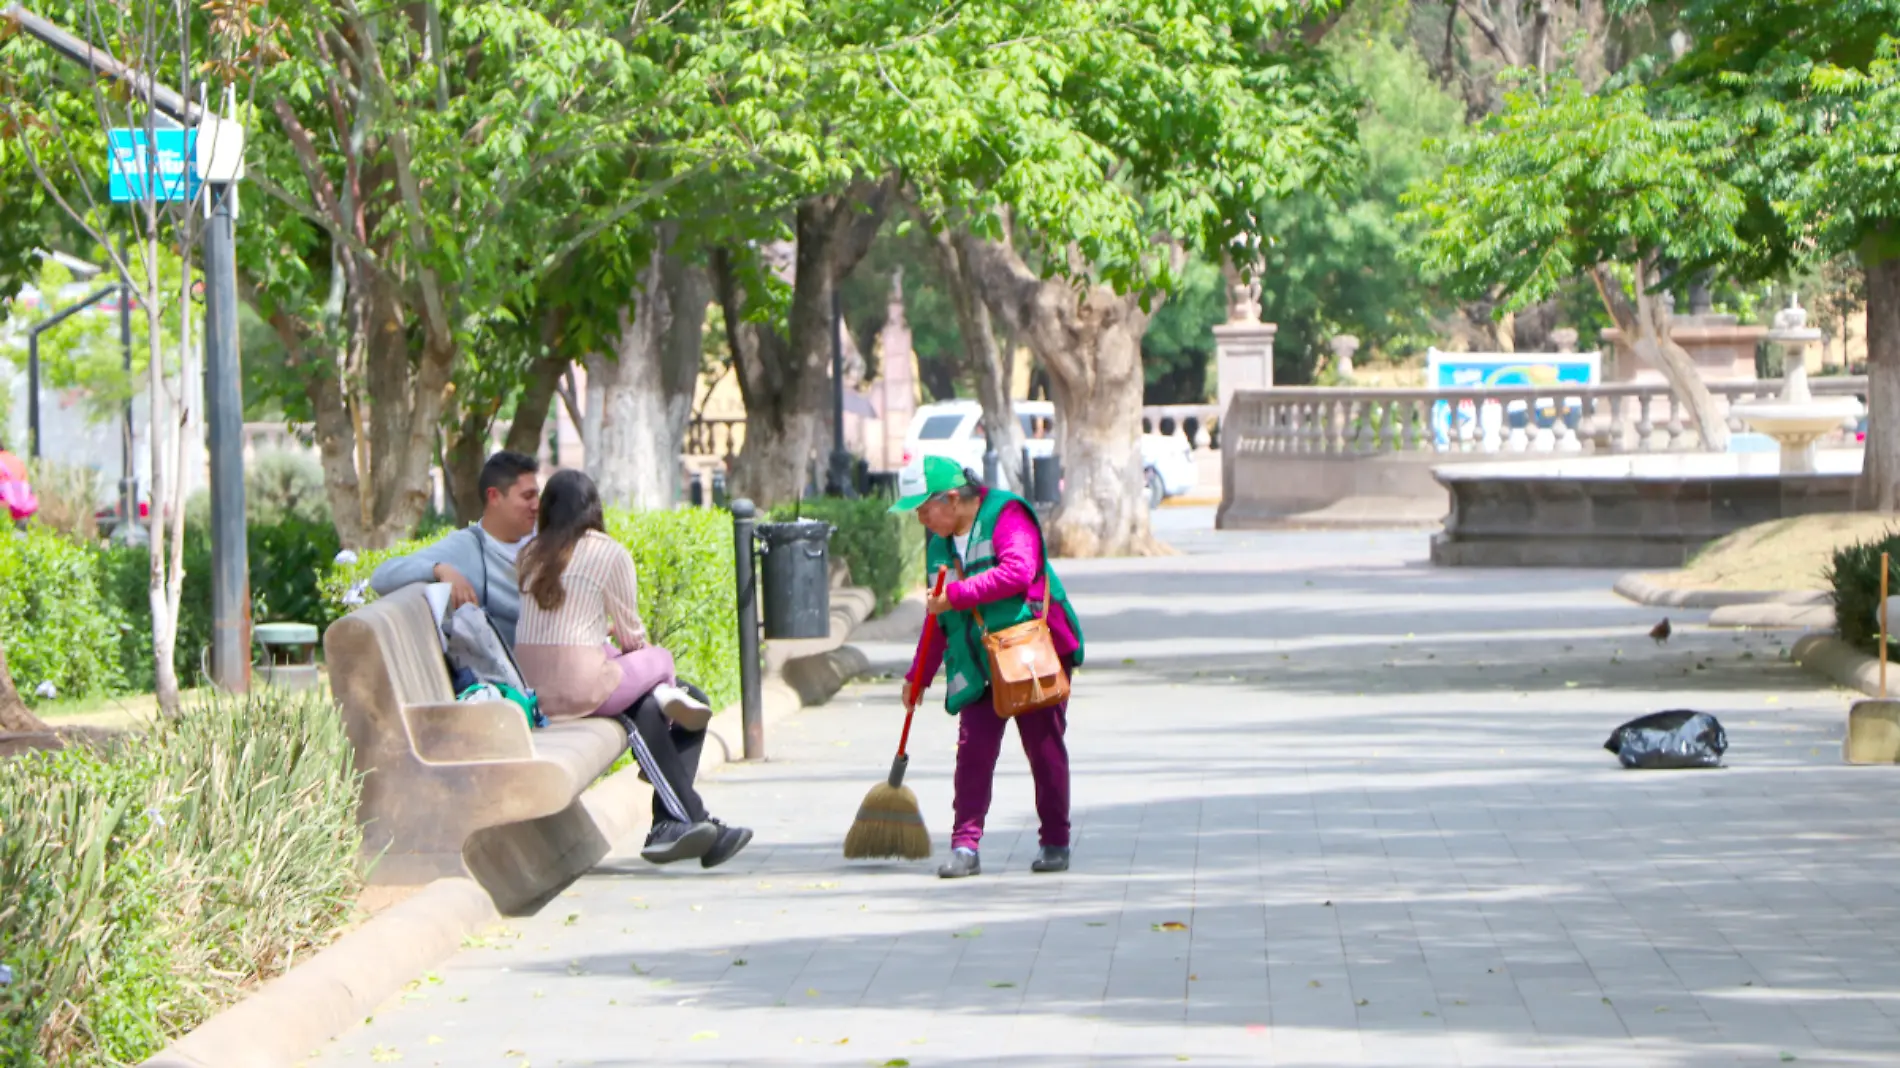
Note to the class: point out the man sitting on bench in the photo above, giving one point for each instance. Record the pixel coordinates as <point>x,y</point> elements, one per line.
<point>478,561</point>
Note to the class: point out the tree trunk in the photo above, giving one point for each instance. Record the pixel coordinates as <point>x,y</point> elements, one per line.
<point>14,715</point>
<point>1645,324</point>
<point>989,363</point>
<point>641,399</point>
<point>462,460</point>
<point>1088,339</point>
<point>528,430</point>
<point>1879,487</point>
<point>786,380</point>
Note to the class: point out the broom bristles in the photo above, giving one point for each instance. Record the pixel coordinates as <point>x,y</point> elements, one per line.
<point>889,824</point>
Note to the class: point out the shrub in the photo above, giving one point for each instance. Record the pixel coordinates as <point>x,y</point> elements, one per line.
<point>150,886</point>
<point>1854,577</point>
<point>58,624</point>
<point>688,591</point>
<point>885,552</point>
<point>279,486</point>
<point>687,595</point>
<point>288,562</point>
<point>68,495</point>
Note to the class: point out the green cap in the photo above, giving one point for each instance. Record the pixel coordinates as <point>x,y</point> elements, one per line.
<point>924,479</point>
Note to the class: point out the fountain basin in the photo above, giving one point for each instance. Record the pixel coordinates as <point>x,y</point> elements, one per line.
<point>1797,425</point>
<point>1640,510</point>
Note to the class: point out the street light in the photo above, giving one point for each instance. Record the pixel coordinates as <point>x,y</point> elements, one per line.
<point>219,163</point>
<point>838,481</point>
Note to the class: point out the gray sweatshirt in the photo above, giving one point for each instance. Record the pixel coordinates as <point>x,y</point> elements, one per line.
<point>489,566</point>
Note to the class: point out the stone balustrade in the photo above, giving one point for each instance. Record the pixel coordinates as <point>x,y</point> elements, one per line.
<point>1604,418</point>
<point>1364,457</point>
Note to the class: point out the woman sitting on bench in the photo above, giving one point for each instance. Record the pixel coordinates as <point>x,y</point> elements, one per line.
<point>579,590</point>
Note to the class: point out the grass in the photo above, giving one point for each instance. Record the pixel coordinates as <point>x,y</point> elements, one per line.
<point>1783,554</point>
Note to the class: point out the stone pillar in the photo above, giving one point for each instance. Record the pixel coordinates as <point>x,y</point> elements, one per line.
<point>1565,338</point>
<point>896,387</point>
<point>1243,346</point>
<point>1344,345</point>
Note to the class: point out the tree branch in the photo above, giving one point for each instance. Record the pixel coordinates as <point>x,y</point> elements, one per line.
<point>1490,30</point>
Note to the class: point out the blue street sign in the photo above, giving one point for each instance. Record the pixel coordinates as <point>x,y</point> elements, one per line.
<point>168,159</point>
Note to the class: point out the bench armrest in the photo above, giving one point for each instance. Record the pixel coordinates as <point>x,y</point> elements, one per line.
<point>465,732</point>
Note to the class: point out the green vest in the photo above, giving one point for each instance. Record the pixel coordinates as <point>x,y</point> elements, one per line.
<point>966,667</point>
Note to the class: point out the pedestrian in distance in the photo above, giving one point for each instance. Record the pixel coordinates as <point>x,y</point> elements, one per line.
<point>991,544</point>
<point>583,648</point>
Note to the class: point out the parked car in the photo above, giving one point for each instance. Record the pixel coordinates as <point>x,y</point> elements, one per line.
<point>955,429</point>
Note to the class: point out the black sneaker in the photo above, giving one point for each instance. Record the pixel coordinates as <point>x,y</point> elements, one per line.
<point>1051,858</point>
<point>671,840</point>
<point>963,864</point>
<point>727,846</point>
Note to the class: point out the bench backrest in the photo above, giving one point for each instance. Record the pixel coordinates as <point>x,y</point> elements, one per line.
<point>383,656</point>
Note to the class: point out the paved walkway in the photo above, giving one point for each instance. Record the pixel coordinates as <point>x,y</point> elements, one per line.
<point>1372,793</point>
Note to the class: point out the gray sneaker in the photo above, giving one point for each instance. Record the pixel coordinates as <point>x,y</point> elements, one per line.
<point>963,864</point>
<point>671,840</point>
<point>1052,858</point>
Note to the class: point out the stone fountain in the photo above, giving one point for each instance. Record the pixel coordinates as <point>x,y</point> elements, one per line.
<point>1796,419</point>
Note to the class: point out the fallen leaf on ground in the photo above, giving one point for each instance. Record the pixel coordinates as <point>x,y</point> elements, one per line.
<point>974,932</point>
<point>811,992</point>
<point>738,962</point>
<point>704,1036</point>
<point>1362,1002</point>
<point>896,1062</point>
<point>435,1040</point>
<point>1002,986</point>
<point>1171,925</point>
<point>384,1055</point>
<point>1312,982</point>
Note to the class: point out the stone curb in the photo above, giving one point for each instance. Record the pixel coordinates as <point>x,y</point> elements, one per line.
<point>1832,658</point>
<point>1637,587</point>
<point>1774,616</point>
<point>305,1007</point>
<point>319,999</point>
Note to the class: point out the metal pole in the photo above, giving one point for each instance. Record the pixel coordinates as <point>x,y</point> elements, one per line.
<point>751,711</point>
<point>990,465</point>
<point>128,465</point>
<point>33,362</point>
<point>224,403</point>
<point>33,394</point>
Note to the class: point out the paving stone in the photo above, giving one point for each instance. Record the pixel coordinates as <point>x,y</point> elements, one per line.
<point>1267,723</point>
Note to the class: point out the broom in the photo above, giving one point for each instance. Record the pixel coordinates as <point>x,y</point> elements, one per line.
<point>889,823</point>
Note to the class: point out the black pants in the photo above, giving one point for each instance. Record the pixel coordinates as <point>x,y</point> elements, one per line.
<point>669,754</point>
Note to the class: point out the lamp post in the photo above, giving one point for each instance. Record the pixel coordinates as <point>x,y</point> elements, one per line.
<point>219,163</point>
<point>838,478</point>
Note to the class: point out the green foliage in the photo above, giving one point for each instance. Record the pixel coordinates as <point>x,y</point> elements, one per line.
<point>1337,264</point>
<point>1178,349</point>
<point>688,597</point>
<point>1556,185</point>
<point>56,621</point>
<point>289,561</point>
<point>885,552</point>
<point>688,591</point>
<point>151,885</point>
<point>1853,577</point>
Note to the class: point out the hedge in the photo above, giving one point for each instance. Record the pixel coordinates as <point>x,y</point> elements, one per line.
<point>288,561</point>
<point>885,552</point>
<point>151,886</point>
<point>687,597</point>
<point>1854,577</point>
<point>56,618</point>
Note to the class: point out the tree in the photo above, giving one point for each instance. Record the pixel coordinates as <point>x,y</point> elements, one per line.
<point>413,161</point>
<point>62,127</point>
<point>1572,183</point>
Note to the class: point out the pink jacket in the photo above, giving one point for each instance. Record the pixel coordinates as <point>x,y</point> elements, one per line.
<point>1018,547</point>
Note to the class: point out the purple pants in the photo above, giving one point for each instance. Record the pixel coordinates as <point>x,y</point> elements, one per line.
<point>640,671</point>
<point>980,742</point>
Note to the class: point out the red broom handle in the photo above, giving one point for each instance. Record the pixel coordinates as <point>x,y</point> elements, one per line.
<point>923,643</point>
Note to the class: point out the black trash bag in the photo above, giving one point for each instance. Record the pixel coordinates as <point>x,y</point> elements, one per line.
<point>1681,738</point>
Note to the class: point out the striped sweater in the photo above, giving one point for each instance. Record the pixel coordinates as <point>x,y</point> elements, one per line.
<point>564,653</point>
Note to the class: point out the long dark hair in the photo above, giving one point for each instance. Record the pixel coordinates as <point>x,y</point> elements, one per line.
<point>570,507</point>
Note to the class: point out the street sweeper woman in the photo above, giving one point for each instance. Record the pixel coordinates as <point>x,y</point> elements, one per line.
<point>1008,641</point>
<point>578,591</point>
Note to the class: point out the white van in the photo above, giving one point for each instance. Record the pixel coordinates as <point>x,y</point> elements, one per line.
<point>955,429</point>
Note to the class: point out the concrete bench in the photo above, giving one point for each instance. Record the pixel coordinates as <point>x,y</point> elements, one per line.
<point>454,788</point>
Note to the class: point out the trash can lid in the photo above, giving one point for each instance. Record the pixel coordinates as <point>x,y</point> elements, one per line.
<point>798,530</point>
<point>285,633</point>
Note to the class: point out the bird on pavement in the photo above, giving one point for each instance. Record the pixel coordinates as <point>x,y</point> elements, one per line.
<point>1660,632</point>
